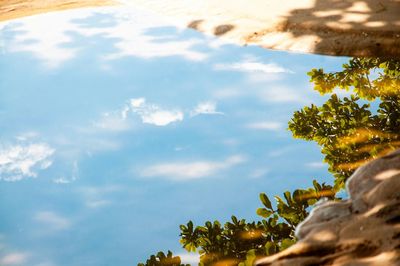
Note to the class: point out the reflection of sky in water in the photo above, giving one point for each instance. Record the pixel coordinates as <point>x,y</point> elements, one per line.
<point>117,127</point>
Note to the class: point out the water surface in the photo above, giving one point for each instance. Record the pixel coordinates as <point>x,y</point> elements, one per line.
<point>117,126</point>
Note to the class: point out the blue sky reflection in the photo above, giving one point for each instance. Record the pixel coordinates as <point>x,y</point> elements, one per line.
<point>116,127</point>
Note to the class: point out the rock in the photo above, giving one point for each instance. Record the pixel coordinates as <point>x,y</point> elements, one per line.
<point>363,230</point>
<point>369,175</point>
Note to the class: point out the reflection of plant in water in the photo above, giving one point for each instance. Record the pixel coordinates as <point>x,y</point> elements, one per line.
<point>239,242</point>
<point>163,260</point>
<point>346,129</point>
<point>368,77</point>
<point>349,134</point>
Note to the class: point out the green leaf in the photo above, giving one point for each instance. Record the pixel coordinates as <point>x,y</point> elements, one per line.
<point>234,219</point>
<point>288,197</point>
<point>265,200</point>
<point>250,258</point>
<point>316,185</point>
<point>270,248</point>
<point>264,212</point>
<point>287,242</point>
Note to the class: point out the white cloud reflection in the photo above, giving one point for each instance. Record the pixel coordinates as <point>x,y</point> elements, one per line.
<point>181,171</point>
<point>113,121</point>
<point>258,173</point>
<point>119,120</point>
<point>74,175</point>
<point>251,66</point>
<point>24,160</point>
<point>154,114</point>
<point>52,220</point>
<point>14,258</point>
<point>266,125</point>
<point>98,196</point>
<point>206,108</point>
<point>129,31</point>
<point>317,165</point>
<point>267,93</point>
<point>281,94</point>
<point>149,113</point>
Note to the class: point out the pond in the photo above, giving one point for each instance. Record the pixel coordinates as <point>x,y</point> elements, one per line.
<point>117,127</point>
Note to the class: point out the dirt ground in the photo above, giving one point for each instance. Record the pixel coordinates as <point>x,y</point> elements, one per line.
<point>12,9</point>
<point>331,27</point>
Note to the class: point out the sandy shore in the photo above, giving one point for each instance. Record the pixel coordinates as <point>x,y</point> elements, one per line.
<point>12,9</point>
<point>331,27</point>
